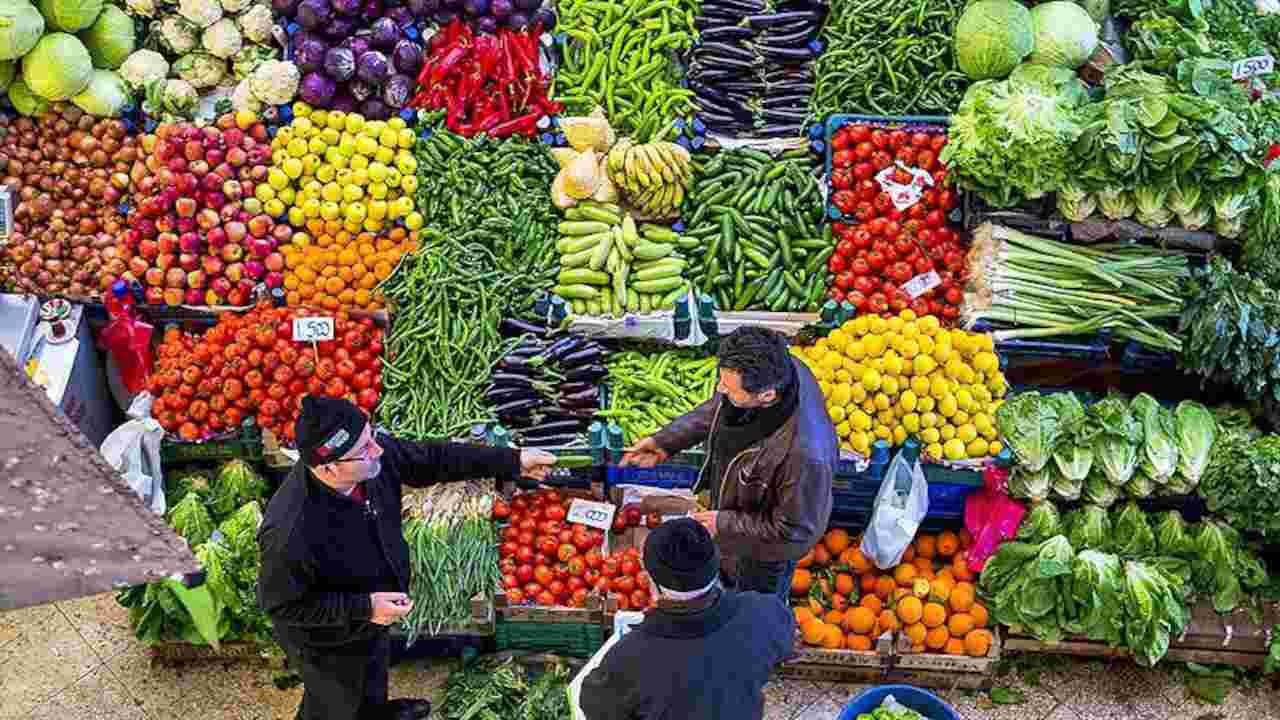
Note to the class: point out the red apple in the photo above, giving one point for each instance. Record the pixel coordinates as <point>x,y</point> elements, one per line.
<point>195,279</point>
<point>190,243</point>
<point>221,286</point>
<point>212,266</point>
<point>207,219</point>
<point>259,226</point>
<point>149,249</point>
<point>189,261</point>
<point>173,296</point>
<point>274,262</point>
<point>234,271</point>
<point>164,262</point>
<point>175,278</point>
<point>155,295</point>
<point>232,190</point>
<point>154,277</point>
<point>193,296</point>
<point>231,252</point>
<point>199,168</point>
<point>186,207</point>
<point>235,231</point>
<point>168,243</point>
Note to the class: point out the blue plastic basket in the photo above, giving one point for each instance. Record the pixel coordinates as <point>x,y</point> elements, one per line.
<point>925,123</point>
<point>922,701</point>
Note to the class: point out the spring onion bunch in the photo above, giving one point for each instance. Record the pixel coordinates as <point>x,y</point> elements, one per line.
<point>453,550</point>
<point>1045,288</point>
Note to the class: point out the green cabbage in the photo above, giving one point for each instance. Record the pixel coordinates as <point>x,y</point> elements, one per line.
<point>58,68</point>
<point>1115,447</point>
<point>25,101</point>
<point>70,15</point>
<point>235,485</point>
<point>1089,528</point>
<point>1195,429</point>
<point>1159,444</point>
<point>1064,35</point>
<point>21,26</point>
<point>191,520</point>
<point>1029,425</point>
<point>110,39</point>
<point>992,37</point>
<point>106,95</point>
<point>1131,534</point>
<point>1040,523</point>
<point>8,69</point>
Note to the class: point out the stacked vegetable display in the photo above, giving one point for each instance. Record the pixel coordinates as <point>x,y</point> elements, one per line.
<point>891,379</point>
<point>648,391</point>
<point>249,367</point>
<point>547,390</point>
<point>754,221</point>
<point>896,247</point>
<point>197,234</point>
<point>328,266</point>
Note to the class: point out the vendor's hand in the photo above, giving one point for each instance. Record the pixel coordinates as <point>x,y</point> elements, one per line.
<point>644,454</point>
<point>707,520</point>
<point>389,607</point>
<point>536,464</point>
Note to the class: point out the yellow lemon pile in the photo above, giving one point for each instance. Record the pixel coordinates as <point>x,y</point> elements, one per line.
<point>336,166</point>
<point>887,379</point>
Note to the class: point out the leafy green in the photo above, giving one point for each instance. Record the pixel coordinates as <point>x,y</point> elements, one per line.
<point>1131,533</point>
<point>237,483</point>
<point>1031,485</point>
<point>1154,612</point>
<point>1242,482</point>
<point>1194,430</point>
<point>502,690</point>
<point>1030,425</point>
<point>1159,447</point>
<point>1089,528</point>
<point>1140,485</point>
<point>1040,523</point>
<point>191,520</point>
<point>188,482</point>
<point>1115,446</point>
<point>1073,452</point>
<point>1097,586</point>
<point>1098,490</point>
<point>1172,535</point>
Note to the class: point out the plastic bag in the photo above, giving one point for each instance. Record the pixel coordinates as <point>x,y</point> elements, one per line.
<point>128,339</point>
<point>623,622</point>
<point>900,507</point>
<point>133,449</point>
<point>901,712</point>
<point>991,516</point>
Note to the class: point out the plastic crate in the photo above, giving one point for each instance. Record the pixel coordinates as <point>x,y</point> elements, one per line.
<point>679,472</point>
<point>246,444</point>
<point>922,123</point>
<point>1137,359</point>
<point>573,639</point>
<point>1093,349</point>
<point>1038,217</point>
<point>854,495</point>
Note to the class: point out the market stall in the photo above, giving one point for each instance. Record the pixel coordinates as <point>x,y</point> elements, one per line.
<point>1027,249</point>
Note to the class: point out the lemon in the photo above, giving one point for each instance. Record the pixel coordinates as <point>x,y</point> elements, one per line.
<point>899,435</point>
<point>910,349</point>
<point>981,422</point>
<point>296,216</point>
<point>277,179</point>
<point>965,400</point>
<point>887,417</point>
<point>929,419</point>
<point>293,168</point>
<point>825,387</point>
<point>890,385</point>
<point>893,363</point>
<point>926,404</point>
<point>930,435</point>
<point>855,350</point>
<point>352,193</point>
<point>941,352</point>
<point>994,448</point>
<point>831,362</point>
<point>884,433</point>
<point>836,412</point>
<point>877,364</point>
<point>882,401</point>
<point>895,324</point>
<point>938,387</point>
<point>857,393</point>
<point>840,394</point>
<point>871,380</point>
<point>947,432</point>
<point>947,405</point>
<point>929,325</point>
<point>288,196</point>
<point>876,325</point>
<point>874,345</point>
<point>853,366</point>
<point>911,421</point>
<point>843,429</point>
<point>405,138</point>
<point>934,450</point>
<point>923,364</point>
<point>986,362</point>
<point>310,208</point>
<point>976,448</point>
<point>967,433</point>
<point>860,325</point>
<point>860,420</point>
<point>868,406</point>
<point>953,449</point>
<point>861,442</point>
<point>908,400</point>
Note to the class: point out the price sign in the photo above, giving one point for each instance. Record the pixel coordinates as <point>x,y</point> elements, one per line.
<point>921,284</point>
<point>312,329</point>
<point>1252,67</point>
<point>592,514</point>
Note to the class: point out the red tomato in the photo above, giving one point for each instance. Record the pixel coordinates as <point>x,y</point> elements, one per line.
<point>543,575</point>
<point>508,549</point>
<point>905,155</point>
<point>926,160</point>
<point>609,568</point>
<point>842,179</point>
<point>515,597</point>
<point>623,584</point>
<point>954,296</point>
<point>835,294</point>
<point>532,589</point>
<point>864,151</point>
<point>525,554</point>
<point>629,567</point>
<point>935,219</point>
<point>557,588</point>
<point>881,160</point>
<point>864,285</point>
<point>835,264</point>
<point>367,399</point>
<point>594,559</point>
<point>524,573</point>
<point>841,139</point>
<point>566,552</point>
<point>583,542</point>
<point>938,142</point>
<point>876,259</point>
<point>844,200</point>
<point>857,300</point>
<point>868,189</point>
<point>576,566</point>
<point>601,585</point>
<point>639,598</point>
<point>898,138</point>
<point>880,138</point>
<point>859,133</point>
<point>548,545</point>
<point>920,140</point>
<point>862,239</point>
<point>546,598</point>
<point>922,265</point>
<point>845,248</point>
<point>509,582</point>
<point>565,536</point>
<point>622,601</point>
<point>863,171</point>
<point>526,537</point>
<point>842,158</point>
<point>579,598</point>
<point>633,516</point>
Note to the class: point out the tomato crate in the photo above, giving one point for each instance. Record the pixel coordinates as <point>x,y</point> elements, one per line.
<point>930,124</point>
<point>576,632</point>
<point>246,444</point>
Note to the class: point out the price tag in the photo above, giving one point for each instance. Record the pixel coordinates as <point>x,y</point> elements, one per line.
<point>904,196</point>
<point>592,514</point>
<point>1252,67</point>
<point>921,284</point>
<point>312,329</point>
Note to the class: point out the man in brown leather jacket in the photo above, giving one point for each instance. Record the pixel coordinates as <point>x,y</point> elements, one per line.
<point>771,455</point>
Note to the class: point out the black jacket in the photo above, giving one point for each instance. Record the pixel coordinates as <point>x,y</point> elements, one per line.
<point>707,664</point>
<point>321,605</point>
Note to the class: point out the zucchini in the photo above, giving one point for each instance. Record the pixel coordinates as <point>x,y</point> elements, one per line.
<point>583,227</point>
<point>582,276</point>
<point>573,462</point>
<point>576,292</point>
<point>652,251</point>
<point>571,244</point>
<point>663,285</point>
<point>657,272</point>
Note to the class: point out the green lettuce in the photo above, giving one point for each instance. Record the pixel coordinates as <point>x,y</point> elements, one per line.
<point>235,485</point>
<point>1040,523</point>
<point>1140,485</point>
<point>1159,438</point>
<point>1097,583</point>
<point>1194,429</point>
<point>1029,424</point>
<point>1089,528</point>
<point>191,520</point>
<point>1154,612</point>
<point>1065,488</point>
<point>1031,485</point>
<point>1073,453</point>
<point>1173,537</point>
<point>1131,533</point>
<point>1099,491</point>
<point>1116,445</point>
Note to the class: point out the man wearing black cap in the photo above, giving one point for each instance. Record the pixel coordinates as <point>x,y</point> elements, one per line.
<point>335,566</point>
<point>703,653</point>
<point>771,456</point>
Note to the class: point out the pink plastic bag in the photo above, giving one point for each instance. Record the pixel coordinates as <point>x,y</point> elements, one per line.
<point>128,339</point>
<point>991,516</point>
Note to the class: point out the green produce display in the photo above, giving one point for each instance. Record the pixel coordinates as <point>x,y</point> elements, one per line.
<point>190,518</point>
<point>1240,483</point>
<point>1064,35</point>
<point>500,689</point>
<point>892,57</point>
<point>755,229</point>
<point>621,55</point>
<point>648,391</point>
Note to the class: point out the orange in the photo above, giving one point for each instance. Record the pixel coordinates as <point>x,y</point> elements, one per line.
<point>885,586</point>
<point>859,562</point>
<point>861,620</point>
<point>954,646</point>
<point>948,544</point>
<point>813,631</point>
<point>923,564</point>
<point>909,554</point>
<point>805,561</point>
<point>979,613</point>
<point>821,555</point>
<point>960,566</point>
<point>833,617</point>
<point>926,546</point>
<point>839,602</point>
<point>934,615</point>
<point>900,593</point>
<point>872,603</point>
<point>844,584</point>
<point>916,633</point>
<point>867,584</point>
<point>837,541</point>
<point>940,589</point>
<point>946,574</point>
<point>887,622</point>
<point>333,285</point>
<point>910,610</point>
<point>937,638</point>
<point>858,642</point>
<point>961,597</point>
<point>832,638</point>
<point>977,643</point>
<point>920,588</point>
<point>803,615</point>
<point>966,540</point>
<point>904,574</point>
<point>801,581</point>
<point>960,624</point>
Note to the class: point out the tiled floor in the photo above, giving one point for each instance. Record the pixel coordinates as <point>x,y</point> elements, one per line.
<point>78,661</point>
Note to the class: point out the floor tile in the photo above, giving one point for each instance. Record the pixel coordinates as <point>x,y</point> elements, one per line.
<point>1064,712</point>
<point>785,699</point>
<point>98,695</point>
<point>165,692</point>
<point>102,622</point>
<point>14,622</point>
<point>842,693</point>
<point>47,656</point>
<point>1118,690</point>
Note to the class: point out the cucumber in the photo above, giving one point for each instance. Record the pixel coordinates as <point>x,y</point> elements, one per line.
<point>583,227</point>
<point>658,272</point>
<point>596,214</point>
<point>652,250</point>
<point>571,244</point>
<point>576,292</point>
<point>663,285</point>
<point>578,259</point>
<point>582,276</point>
<point>659,233</point>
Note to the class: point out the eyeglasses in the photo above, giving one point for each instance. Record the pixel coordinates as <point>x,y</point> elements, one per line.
<point>365,456</point>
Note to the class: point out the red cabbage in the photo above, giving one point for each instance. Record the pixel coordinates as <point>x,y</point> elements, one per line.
<point>344,102</point>
<point>340,63</point>
<point>423,9</point>
<point>444,17</point>
<point>317,90</point>
<point>308,51</point>
<point>346,7</point>
<point>487,24</point>
<point>372,67</point>
<point>399,88</point>
<point>283,7</point>
<point>341,27</point>
<point>528,4</point>
<point>407,57</point>
<point>384,33</point>
<point>359,44</point>
<point>373,8</point>
<point>476,7</point>
<point>375,109</point>
<point>500,8</point>
<point>452,4</point>
<point>401,15</point>
<point>313,14</point>
<point>361,90</point>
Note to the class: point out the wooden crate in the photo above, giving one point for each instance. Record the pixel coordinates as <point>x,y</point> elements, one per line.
<point>892,662</point>
<point>850,666</point>
<point>937,670</point>
<point>179,654</point>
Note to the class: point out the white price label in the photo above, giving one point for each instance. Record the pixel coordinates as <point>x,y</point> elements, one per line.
<point>590,513</point>
<point>1252,67</point>
<point>312,329</point>
<point>904,196</point>
<point>921,284</point>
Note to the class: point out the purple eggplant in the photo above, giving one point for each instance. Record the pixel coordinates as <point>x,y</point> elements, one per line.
<point>527,5</point>
<point>511,327</point>
<point>586,398</point>
<point>384,33</point>
<point>586,356</point>
<point>559,427</point>
<point>516,408</point>
<point>564,346</point>
<point>503,393</point>
<point>511,377</point>
<point>372,67</point>
<point>407,57</point>
<point>397,91</point>
<point>553,441</point>
<point>313,14</point>
<point>586,373</point>
<point>340,63</point>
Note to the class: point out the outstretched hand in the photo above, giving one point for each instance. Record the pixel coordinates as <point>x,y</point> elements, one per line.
<point>536,464</point>
<point>644,454</point>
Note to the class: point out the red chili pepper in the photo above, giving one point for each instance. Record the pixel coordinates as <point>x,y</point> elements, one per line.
<point>455,55</point>
<point>525,125</point>
<point>1272,153</point>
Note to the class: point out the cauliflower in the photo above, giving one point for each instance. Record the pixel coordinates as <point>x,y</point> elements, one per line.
<point>177,34</point>
<point>201,70</point>
<point>243,98</point>
<point>201,12</point>
<point>275,82</point>
<point>141,8</point>
<point>256,24</point>
<point>222,39</point>
<point>143,67</point>
<point>170,98</point>
<point>249,58</point>
<point>231,7</point>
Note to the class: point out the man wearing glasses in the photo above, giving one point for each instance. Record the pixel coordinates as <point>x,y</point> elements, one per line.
<point>335,566</point>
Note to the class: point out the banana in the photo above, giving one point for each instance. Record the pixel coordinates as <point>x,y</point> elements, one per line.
<point>644,167</point>
<point>631,168</point>
<point>667,166</point>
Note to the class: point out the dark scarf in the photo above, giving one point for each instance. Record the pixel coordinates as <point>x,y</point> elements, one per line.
<point>740,428</point>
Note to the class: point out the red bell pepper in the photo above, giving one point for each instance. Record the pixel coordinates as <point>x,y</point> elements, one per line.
<point>523,125</point>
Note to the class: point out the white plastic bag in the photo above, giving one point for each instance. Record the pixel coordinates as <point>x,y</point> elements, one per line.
<point>900,507</point>
<point>133,449</point>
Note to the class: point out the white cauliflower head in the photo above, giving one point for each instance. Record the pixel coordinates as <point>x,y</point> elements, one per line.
<point>275,82</point>
<point>234,6</point>
<point>256,24</point>
<point>143,67</point>
<point>141,8</point>
<point>222,39</point>
<point>177,34</point>
<point>242,98</point>
<point>179,97</point>
<point>200,69</point>
<point>201,12</point>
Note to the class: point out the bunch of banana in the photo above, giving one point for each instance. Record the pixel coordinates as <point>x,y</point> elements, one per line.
<point>653,177</point>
